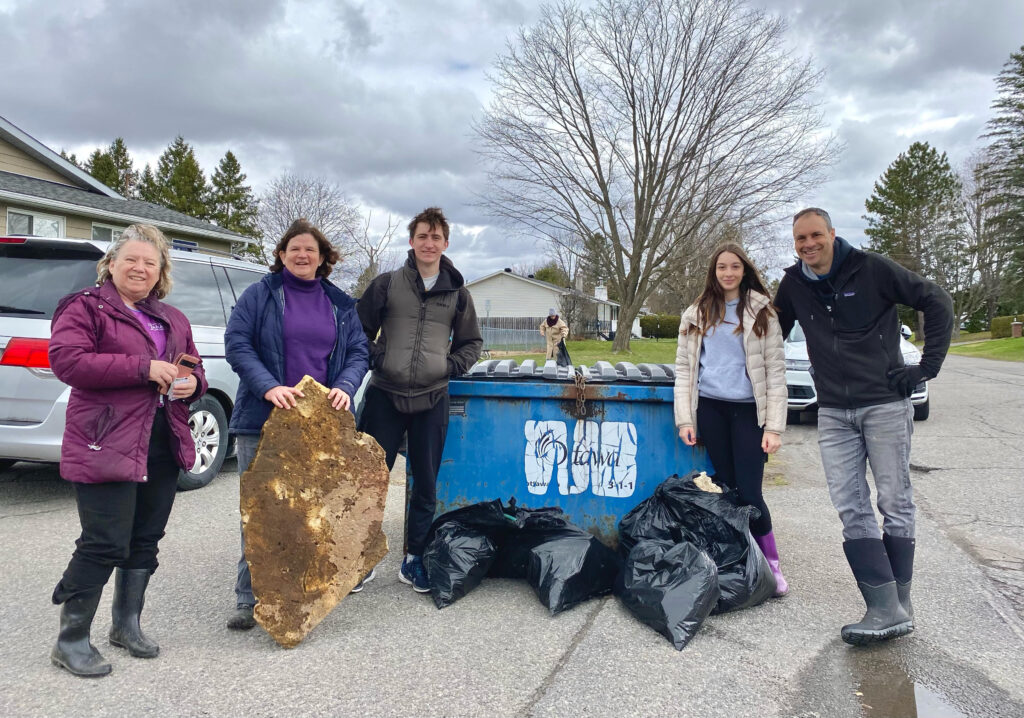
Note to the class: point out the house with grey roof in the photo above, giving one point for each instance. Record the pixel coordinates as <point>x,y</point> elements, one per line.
<point>43,194</point>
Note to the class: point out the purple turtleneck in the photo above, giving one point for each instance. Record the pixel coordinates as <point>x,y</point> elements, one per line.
<point>310,331</point>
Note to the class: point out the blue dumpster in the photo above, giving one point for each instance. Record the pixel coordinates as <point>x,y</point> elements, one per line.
<point>594,441</point>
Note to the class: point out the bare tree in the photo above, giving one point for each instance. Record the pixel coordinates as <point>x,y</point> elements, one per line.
<point>322,202</point>
<point>988,254</point>
<point>642,125</point>
<point>376,252</point>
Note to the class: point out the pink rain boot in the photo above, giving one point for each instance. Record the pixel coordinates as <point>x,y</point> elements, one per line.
<point>768,548</point>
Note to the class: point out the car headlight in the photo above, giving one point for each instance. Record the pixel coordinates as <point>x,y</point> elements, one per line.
<point>798,364</point>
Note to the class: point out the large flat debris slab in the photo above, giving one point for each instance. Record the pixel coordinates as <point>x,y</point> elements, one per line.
<point>312,505</point>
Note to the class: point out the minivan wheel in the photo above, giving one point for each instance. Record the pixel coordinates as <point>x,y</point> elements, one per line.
<point>922,410</point>
<point>209,426</point>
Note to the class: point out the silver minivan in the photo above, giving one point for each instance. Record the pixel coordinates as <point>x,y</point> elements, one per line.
<point>35,272</point>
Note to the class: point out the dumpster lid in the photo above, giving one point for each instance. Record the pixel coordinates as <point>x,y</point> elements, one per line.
<point>601,372</point>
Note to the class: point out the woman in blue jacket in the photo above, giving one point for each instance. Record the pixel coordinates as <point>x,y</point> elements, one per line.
<point>291,323</point>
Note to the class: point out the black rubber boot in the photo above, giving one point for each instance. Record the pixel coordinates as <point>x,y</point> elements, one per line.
<point>242,619</point>
<point>901,558</point>
<point>73,651</point>
<point>129,598</point>
<point>885,617</point>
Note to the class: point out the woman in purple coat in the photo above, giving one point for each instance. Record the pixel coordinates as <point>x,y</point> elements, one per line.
<point>126,438</point>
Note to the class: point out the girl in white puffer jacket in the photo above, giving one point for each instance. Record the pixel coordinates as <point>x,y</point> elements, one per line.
<point>731,384</point>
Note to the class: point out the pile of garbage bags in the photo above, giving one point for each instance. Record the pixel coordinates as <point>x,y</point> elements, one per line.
<point>564,564</point>
<point>689,553</point>
<point>684,553</point>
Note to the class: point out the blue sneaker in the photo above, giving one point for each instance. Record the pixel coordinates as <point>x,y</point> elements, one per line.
<point>365,580</point>
<point>413,573</point>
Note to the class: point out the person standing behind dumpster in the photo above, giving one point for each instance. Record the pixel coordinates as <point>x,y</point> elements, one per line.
<point>422,329</point>
<point>554,330</point>
<point>731,384</point>
<point>845,301</point>
<point>291,323</point>
<point>125,441</point>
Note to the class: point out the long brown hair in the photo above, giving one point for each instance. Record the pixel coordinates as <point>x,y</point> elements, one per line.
<point>711,303</point>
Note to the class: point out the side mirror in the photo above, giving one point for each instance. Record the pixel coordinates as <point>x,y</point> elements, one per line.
<point>905,331</point>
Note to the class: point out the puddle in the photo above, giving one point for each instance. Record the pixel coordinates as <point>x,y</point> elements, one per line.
<point>884,690</point>
<point>898,679</point>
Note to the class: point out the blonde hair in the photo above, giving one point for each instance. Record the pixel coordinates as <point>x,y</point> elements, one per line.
<point>140,233</point>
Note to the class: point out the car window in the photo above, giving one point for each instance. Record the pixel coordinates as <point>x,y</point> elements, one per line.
<point>196,294</point>
<point>242,278</point>
<point>34,278</point>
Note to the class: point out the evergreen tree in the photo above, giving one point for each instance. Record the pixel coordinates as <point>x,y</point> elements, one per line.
<point>181,184</point>
<point>127,180</point>
<point>148,189</point>
<point>1004,175</point>
<point>101,166</point>
<point>232,204</point>
<point>70,158</point>
<point>915,215</point>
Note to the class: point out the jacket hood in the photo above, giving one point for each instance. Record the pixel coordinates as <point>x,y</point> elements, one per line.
<point>274,281</point>
<point>108,292</point>
<point>455,280</point>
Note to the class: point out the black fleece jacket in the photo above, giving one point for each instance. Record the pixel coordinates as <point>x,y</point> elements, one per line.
<point>852,326</point>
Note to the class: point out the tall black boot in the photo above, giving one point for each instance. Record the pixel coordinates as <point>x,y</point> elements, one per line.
<point>129,597</point>
<point>885,617</point>
<point>73,651</point>
<point>901,559</point>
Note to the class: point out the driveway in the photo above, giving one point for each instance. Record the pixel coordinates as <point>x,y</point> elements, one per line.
<point>388,651</point>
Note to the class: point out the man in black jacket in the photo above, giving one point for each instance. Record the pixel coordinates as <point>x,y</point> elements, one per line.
<point>845,300</point>
<point>422,329</point>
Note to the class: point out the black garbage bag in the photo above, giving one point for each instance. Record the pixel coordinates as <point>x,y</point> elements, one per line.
<point>564,563</point>
<point>672,587</point>
<point>713,522</point>
<point>457,561</point>
<point>569,570</point>
<point>562,358</point>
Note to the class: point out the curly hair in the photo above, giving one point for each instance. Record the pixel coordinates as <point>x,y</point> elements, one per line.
<point>328,253</point>
<point>433,217</point>
<point>140,233</point>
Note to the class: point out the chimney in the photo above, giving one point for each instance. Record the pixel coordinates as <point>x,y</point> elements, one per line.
<point>601,293</point>
<point>508,269</point>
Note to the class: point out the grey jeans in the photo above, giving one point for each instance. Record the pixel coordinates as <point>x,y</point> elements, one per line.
<point>848,438</point>
<point>245,447</point>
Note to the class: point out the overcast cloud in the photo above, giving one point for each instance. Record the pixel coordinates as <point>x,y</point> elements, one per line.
<point>380,96</point>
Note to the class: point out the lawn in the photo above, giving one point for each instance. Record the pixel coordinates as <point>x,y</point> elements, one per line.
<point>590,351</point>
<point>1008,349</point>
<point>964,337</point>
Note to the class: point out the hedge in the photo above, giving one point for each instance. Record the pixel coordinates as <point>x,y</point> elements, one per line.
<point>660,326</point>
<point>1001,326</point>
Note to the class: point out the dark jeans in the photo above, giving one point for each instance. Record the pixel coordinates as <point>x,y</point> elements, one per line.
<point>426,434</point>
<point>732,438</point>
<point>122,521</point>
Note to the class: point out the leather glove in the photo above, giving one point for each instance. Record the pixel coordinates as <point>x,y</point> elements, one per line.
<point>905,379</point>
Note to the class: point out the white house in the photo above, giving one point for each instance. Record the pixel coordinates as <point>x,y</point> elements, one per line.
<point>507,300</point>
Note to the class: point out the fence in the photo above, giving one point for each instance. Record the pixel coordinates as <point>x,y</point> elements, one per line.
<point>512,334</point>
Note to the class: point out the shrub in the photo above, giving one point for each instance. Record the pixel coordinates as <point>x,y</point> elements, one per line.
<point>1001,326</point>
<point>660,326</point>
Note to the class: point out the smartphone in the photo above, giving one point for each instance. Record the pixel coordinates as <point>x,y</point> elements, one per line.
<point>186,363</point>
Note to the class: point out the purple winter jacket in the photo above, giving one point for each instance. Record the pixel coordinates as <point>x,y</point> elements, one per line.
<point>98,347</point>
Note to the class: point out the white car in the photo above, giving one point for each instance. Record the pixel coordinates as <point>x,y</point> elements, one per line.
<point>799,381</point>
<point>35,272</point>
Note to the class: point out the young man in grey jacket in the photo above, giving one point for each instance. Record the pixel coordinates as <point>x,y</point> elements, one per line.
<point>845,300</point>
<point>422,329</point>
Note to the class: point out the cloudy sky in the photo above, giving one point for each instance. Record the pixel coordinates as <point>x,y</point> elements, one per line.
<point>380,96</point>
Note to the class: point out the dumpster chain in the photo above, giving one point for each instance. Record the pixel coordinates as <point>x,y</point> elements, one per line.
<point>581,396</point>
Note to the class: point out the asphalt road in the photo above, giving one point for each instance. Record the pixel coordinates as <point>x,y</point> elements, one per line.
<point>388,651</point>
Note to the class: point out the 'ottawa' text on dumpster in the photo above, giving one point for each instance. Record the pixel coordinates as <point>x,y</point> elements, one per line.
<point>601,457</point>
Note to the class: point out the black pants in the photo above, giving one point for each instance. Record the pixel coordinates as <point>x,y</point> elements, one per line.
<point>122,521</point>
<point>732,438</point>
<point>426,434</point>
